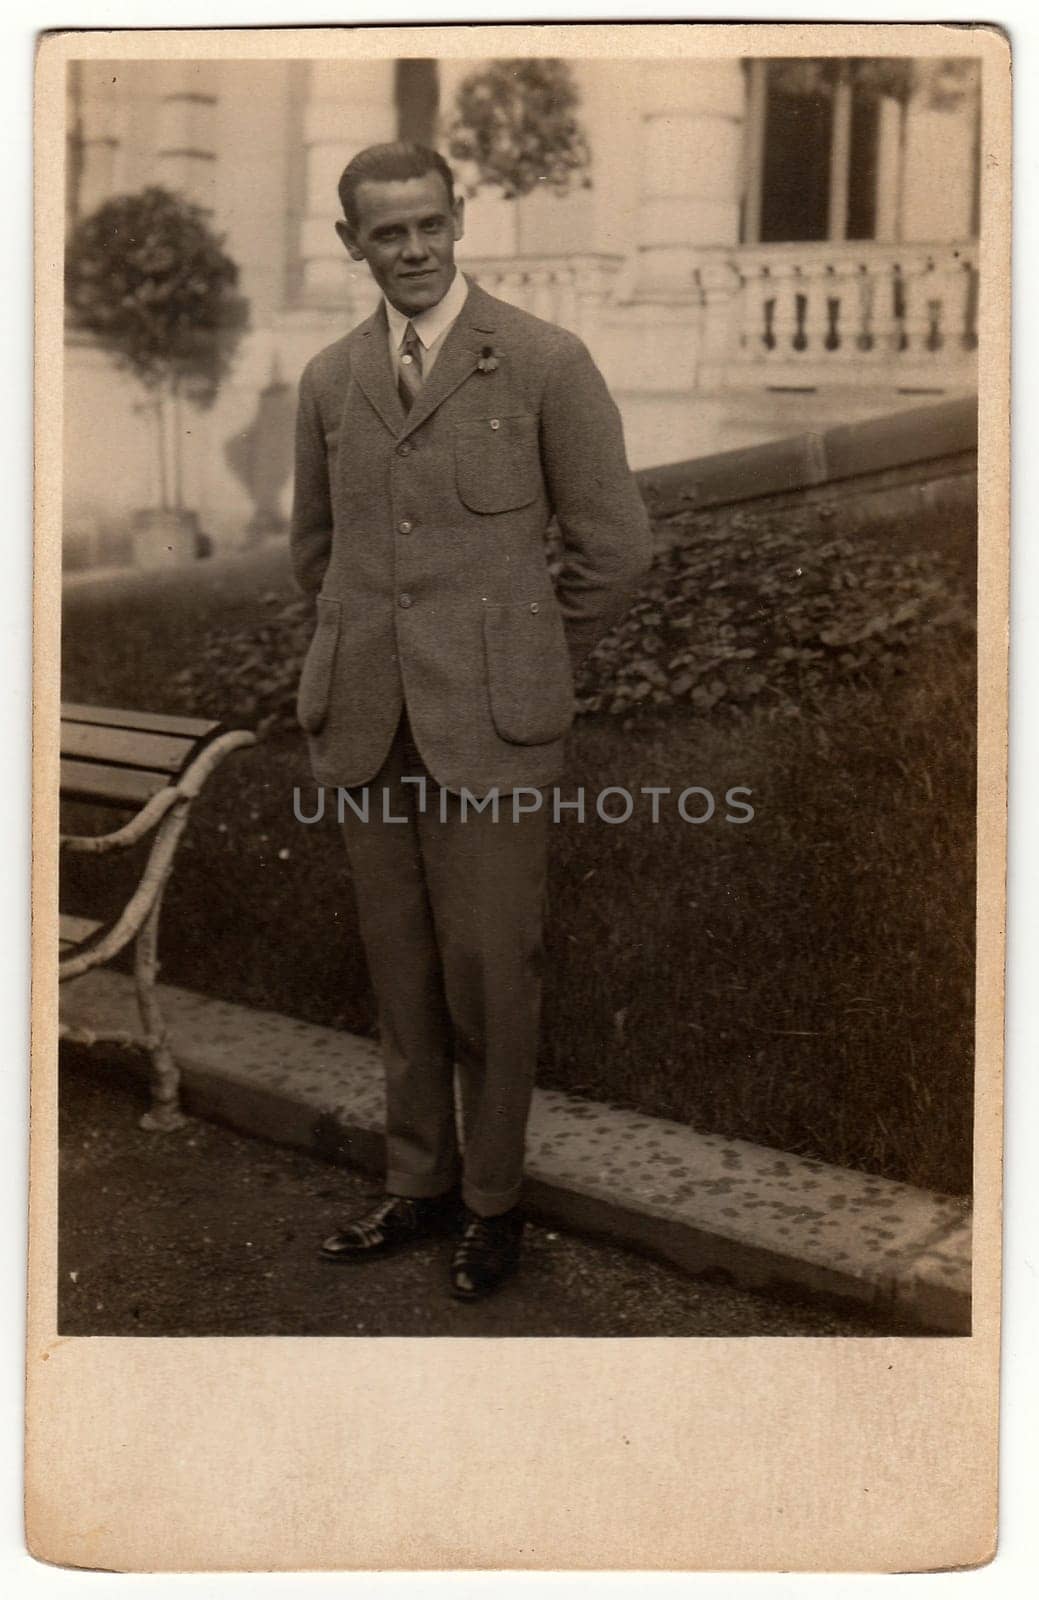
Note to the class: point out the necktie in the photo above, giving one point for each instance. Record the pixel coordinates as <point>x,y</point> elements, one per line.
<point>409,381</point>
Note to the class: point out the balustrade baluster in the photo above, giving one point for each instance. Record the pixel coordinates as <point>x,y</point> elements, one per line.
<point>595,297</point>
<point>542,299</point>
<point>757,337</point>
<point>786,322</point>
<point>566,298</point>
<point>768,337</point>
<point>899,310</point>
<point>887,303</point>
<point>514,288</point>
<point>799,338</point>
<point>952,277</point>
<point>816,280</point>
<point>865,291</point>
<point>848,312</point>
<point>918,283</point>
<point>832,340</point>
<point>969,337</point>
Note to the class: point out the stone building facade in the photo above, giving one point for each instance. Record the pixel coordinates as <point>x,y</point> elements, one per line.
<point>746,263</point>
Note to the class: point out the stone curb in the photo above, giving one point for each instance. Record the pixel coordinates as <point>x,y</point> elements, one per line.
<point>699,1200</point>
<point>947,431</point>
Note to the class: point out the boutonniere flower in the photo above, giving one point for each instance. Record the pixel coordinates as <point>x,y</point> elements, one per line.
<point>488,361</point>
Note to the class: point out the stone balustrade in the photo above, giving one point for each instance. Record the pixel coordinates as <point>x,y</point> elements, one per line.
<point>570,290</point>
<point>851,305</point>
<point>783,314</point>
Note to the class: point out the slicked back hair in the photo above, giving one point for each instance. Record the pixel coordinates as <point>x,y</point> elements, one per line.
<point>390,163</point>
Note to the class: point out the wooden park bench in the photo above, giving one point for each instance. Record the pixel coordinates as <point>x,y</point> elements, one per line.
<point>153,767</point>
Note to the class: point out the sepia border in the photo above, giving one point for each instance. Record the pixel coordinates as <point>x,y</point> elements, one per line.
<point>830,1454</point>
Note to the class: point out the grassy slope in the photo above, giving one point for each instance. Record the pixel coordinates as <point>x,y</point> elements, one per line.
<point>805,980</point>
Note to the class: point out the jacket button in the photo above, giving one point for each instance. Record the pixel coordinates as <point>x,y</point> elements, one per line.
<point>495,423</point>
<point>404,601</point>
<point>405,526</point>
<point>534,606</point>
<point>404,449</point>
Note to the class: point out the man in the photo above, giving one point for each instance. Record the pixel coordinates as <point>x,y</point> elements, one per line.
<point>434,444</point>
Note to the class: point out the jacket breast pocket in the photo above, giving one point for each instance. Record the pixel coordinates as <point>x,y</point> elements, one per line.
<point>315,682</point>
<point>529,678</point>
<point>497,463</point>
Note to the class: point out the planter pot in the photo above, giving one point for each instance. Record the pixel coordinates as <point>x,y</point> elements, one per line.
<point>166,538</point>
<point>264,525</point>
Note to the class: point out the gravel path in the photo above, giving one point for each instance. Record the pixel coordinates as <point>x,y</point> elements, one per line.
<point>206,1232</point>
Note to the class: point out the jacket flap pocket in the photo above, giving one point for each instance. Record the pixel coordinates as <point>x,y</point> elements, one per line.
<point>529,678</point>
<point>497,465</point>
<point>315,682</point>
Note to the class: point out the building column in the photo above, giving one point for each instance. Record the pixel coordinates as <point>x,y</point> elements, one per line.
<point>938,171</point>
<point>610,112</point>
<point>691,153</point>
<point>889,170</point>
<point>840,158</point>
<point>99,137</point>
<point>185,131</point>
<point>350,104</point>
<point>73,142</point>
<point>753,148</point>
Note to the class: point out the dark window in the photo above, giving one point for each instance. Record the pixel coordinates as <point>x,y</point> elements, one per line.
<point>862,177</point>
<point>795,178</point>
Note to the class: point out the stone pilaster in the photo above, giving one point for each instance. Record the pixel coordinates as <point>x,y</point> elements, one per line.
<point>100,136</point>
<point>349,105</point>
<point>889,175</point>
<point>690,165</point>
<point>185,131</point>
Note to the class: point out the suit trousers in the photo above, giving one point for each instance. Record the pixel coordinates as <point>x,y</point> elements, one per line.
<point>450,902</point>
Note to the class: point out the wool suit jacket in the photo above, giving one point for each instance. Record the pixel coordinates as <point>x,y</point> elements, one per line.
<point>421,536</point>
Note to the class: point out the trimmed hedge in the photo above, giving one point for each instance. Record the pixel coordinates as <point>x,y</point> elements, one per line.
<point>751,610</point>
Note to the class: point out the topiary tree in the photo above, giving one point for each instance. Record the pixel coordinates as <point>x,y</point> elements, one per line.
<point>147,277</point>
<point>515,122</point>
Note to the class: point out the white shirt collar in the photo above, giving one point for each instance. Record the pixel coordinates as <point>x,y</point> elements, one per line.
<point>429,325</point>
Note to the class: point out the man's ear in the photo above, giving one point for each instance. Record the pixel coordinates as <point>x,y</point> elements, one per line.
<point>348,239</point>
<point>458,213</point>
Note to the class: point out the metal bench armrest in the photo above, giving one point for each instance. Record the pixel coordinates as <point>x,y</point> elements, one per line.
<point>210,757</point>
<point>126,837</point>
<point>169,809</point>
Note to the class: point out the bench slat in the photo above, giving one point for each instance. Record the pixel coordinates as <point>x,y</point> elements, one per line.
<point>142,721</point>
<point>121,786</point>
<point>73,931</point>
<point>126,747</point>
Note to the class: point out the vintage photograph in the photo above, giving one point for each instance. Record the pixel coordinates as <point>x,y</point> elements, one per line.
<point>518,694</point>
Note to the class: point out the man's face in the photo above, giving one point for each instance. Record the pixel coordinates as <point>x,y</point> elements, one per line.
<point>406,231</point>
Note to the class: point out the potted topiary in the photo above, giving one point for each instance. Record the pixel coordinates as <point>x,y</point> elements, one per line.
<point>515,125</point>
<point>148,280</point>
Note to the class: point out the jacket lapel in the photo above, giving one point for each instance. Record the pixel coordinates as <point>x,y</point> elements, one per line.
<point>458,356</point>
<point>370,364</point>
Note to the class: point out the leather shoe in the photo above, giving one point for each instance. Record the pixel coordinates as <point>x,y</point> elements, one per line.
<point>487,1252</point>
<point>396,1221</point>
